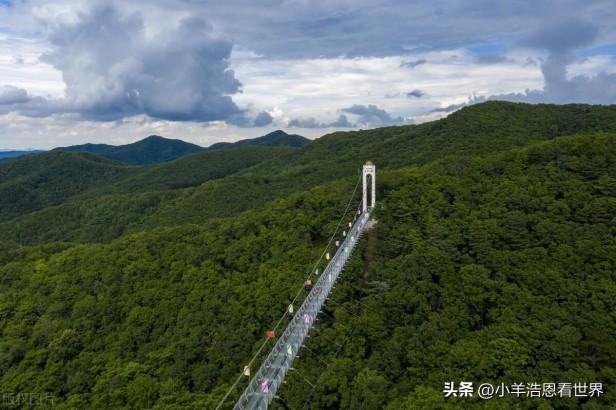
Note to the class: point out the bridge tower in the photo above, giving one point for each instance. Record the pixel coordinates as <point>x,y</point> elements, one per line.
<point>262,388</point>
<point>369,177</point>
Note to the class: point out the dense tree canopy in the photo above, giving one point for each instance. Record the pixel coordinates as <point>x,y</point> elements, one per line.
<point>493,269</point>
<point>493,260</point>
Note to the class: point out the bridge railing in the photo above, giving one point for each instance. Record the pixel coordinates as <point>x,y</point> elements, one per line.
<point>267,380</point>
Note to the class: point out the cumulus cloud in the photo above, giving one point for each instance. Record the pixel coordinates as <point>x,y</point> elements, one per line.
<point>413,64</point>
<point>113,68</point>
<point>12,95</point>
<point>311,122</point>
<point>290,54</point>
<point>262,119</point>
<point>365,115</point>
<point>561,40</point>
<point>416,93</point>
<point>342,122</point>
<point>371,115</point>
<point>240,119</point>
<point>454,107</point>
<point>244,120</point>
<point>17,99</point>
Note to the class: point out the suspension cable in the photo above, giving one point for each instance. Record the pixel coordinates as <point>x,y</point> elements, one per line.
<point>254,357</point>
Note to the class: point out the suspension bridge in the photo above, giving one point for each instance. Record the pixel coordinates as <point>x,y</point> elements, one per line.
<point>266,381</point>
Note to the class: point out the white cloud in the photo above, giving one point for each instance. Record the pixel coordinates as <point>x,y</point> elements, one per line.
<point>12,95</point>
<point>113,68</point>
<point>318,88</point>
<point>372,116</point>
<point>296,59</point>
<point>561,39</point>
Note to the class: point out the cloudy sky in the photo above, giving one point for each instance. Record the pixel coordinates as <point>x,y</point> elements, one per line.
<point>209,70</point>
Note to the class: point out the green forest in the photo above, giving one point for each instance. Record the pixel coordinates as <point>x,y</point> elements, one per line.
<point>493,259</point>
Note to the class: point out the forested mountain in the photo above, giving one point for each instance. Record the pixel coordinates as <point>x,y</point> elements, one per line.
<point>38,181</point>
<point>493,259</point>
<point>155,149</point>
<point>273,139</point>
<point>195,169</point>
<point>78,196</point>
<point>482,128</point>
<point>151,150</point>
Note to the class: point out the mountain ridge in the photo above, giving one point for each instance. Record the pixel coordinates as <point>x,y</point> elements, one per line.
<point>38,181</point>
<point>150,150</point>
<point>155,149</point>
<point>275,138</point>
<point>482,128</point>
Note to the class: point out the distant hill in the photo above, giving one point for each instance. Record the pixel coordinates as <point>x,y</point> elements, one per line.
<point>37,181</point>
<point>14,154</point>
<point>50,182</point>
<point>185,193</point>
<point>273,139</point>
<point>195,169</point>
<point>151,150</point>
<point>155,149</point>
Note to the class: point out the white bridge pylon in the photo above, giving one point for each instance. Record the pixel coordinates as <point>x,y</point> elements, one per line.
<point>262,388</point>
<point>369,171</point>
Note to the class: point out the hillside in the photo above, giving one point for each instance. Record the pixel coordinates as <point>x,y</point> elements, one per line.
<point>495,268</point>
<point>151,150</point>
<point>195,169</point>
<point>34,182</point>
<point>474,130</point>
<point>155,149</point>
<point>40,196</point>
<point>497,265</point>
<point>273,139</point>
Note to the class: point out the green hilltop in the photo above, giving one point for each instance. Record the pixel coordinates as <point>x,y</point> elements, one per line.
<point>37,181</point>
<point>156,149</point>
<point>151,150</point>
<point>277,138</point>
<point>493,259</point>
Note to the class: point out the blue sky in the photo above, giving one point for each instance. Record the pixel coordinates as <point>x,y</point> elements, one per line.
<point>606,49</point>
<point>208,71</point>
